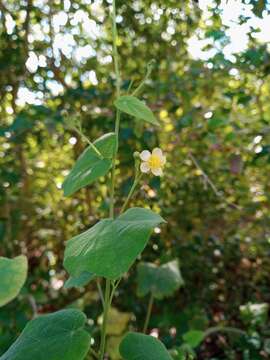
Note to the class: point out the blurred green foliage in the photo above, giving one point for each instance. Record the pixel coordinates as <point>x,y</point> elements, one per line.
<point>56,66</point>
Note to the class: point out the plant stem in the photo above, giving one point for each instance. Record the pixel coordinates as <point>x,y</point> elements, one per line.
<point>100,293</point>
<point>105,318</point>
<point>114,287</point>
<point>108,298</point>
<point>148,314</point>
<point>148,73</point>
<point>93,353</point>
<point>89,143</point>
<point>131,191</point>
<point>112,189</point>
<point>117,121</point>
<point>225,329</point>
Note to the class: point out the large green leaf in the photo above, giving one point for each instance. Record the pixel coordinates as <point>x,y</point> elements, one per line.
<point>13,274</point>
<point>57,336</point>
<point>136,346</point>
<point>79,281</point>
<point>160,280</point>
<point>90,166</point>
<point>135,107</point>
<point>111,246</point>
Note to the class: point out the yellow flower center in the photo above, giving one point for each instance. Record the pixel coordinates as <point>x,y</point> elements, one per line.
<point>154,162</point>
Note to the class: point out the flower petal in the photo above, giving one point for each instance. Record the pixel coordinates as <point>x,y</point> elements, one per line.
<point>163,160</point>
<point>145,155</point>
<point>157,152</point>
<point>144,167</point>
<point>157,172</point>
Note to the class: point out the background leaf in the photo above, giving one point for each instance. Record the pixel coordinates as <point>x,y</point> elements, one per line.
<point>111,246</point>
<point>161,280</point>
<point>135,107</point>
<point>57,336</point>
<point>89,166</point>
<point>193,337</point>
<point>13,274</point>
<point>136,346</point>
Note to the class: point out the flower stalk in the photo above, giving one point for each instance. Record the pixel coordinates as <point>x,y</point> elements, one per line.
<point>148,313</point>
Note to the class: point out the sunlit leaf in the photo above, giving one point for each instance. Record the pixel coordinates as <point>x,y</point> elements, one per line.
<point>161,281</point>
<point>90,166</point>
<point>13,274</point>
<point>111,246</point>
<point>135,107</point>
<point>57,336</point>
<point>136,346</point>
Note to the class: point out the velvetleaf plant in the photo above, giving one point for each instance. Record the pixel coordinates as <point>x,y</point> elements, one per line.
<point>111,246</point>
<point>106,250</point>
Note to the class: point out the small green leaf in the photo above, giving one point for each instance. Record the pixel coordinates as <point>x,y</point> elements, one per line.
<point>215,123</point>
<point>161,280</point>
<point>57,336</point>
<point>13,274</point>
<point>79,281</point>
<point>110,247</point>
<point>193,338</point>
<point>90,166</point>
<point>136,346</point>
<point>135,107</point>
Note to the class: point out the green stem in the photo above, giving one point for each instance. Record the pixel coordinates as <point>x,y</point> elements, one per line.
<point>114,287</point>
<point>130,86</point>
<point>148,314</point>
<point>112,189</point>
<point>117,121</point>
<point>105,318</point>
<point>108,298</point>
<point>148,73</point>
<point>94,353</point>
<point>225,329</point>
<point>89,143</point>
<point>115,52</point>
<point>100,293</point>
<point>131,191</point>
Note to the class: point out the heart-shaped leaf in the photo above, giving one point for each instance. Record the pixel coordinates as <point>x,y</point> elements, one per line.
<point>136,346</point>
<point>90,166</point>
<point>161,281</point>
<point>79,281</point>
<point>111,246</point>
<point>135,107</point>
<point>57,336</point>
<point>13,274</point>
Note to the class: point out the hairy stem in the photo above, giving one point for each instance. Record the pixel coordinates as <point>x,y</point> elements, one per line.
<point>93,353</point>
<point>131,191</point>
<point>108,297</point>
<point>148,314</point>
<point>150,65</point>
<point>85,138</point>
<point>117,121</point>
<point>225,329</point>
<point>105,318</point>
<point>100,293</point>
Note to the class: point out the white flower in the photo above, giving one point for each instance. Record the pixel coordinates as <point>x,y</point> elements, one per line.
<point>152,162</point>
